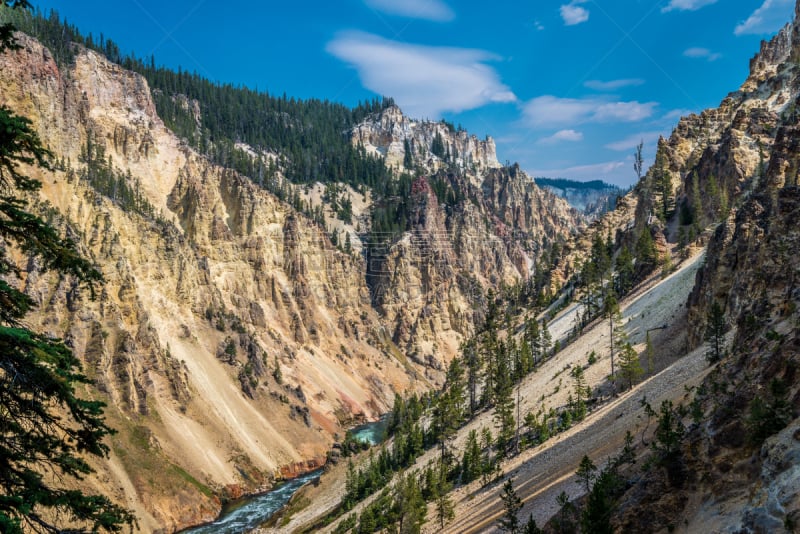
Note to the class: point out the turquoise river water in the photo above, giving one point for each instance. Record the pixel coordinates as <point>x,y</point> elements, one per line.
<point>249,513</point>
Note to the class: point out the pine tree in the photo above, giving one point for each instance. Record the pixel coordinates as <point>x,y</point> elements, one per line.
<point>525,359</point>
<point>600,257</point>
<point>663,180</point>
<point>446,418</point>
<point>491,349</point>
<point>586,473</point>
<point>351,487</point>
<point>668,434</point>
<point>531,527</point>
<point>617,335</point>
<point>646,254</point>
<point>768,414</point>
<point>512,504</point>
<point>437,146</point>
<point>474,365</point>
<point>445,510</point>
<point>534,338</point>
<point>547,340</point>
<point>471,461</point>
<point>638,161</point>
<point>408,157</point>
<point>488,462</point>
<point>566,513</point>
<point>649,353</point>
<point>503,400</point>
<point>600,503</point>
<point>580,389</point>
<point>715,333</point>
<point>630,370</point>
<point>46,429</point>
<point>625,271</point>
<point>456,390</point>
<point>409,506</point>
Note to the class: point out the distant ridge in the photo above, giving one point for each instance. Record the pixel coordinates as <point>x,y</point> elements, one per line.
<point>593,198</point>
<point>565,183</point>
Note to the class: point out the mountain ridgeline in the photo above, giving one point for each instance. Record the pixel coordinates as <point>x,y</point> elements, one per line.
<point>272,276</point>
<point>277,271</point>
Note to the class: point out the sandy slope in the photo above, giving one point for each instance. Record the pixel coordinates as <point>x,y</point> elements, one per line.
<point>541,473</point>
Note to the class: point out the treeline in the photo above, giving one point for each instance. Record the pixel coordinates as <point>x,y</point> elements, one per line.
<point>97,170</point>
<point>563,183</point>
<point>309,134</point>
<point>295,142</point>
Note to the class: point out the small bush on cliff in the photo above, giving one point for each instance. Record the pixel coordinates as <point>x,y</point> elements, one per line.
<point>768,414</point>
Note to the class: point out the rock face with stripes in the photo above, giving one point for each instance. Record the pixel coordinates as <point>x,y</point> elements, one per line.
<point>232,341</point>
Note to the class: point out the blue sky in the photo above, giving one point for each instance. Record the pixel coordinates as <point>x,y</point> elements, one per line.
<point>566,88</point>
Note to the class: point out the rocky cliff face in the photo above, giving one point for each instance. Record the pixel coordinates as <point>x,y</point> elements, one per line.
<point>232,341</point>
<point>474,226</point>
<point>390,133</point>
<point>732,480</point>
<point>728,148</point>
<point>430,283</point>
<point>724,159</point>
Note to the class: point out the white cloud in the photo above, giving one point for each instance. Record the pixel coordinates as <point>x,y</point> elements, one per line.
<point>434,10</point>
<point>768,18</point>
<point>573,13</point>
<point>687,5</point>
<point>623,111</point>
<point>632,141</point>
<point>613,85</point>
<point>424,80</point>
<point>562,135</point>
<point>549,110</point>
<point>701,53</point>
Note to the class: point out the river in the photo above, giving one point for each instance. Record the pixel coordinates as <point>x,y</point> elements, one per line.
<point>250,512</point>
<point>372,433</point>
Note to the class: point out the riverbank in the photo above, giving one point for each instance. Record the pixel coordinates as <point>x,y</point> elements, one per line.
<point>251,513</point>
<point>314,501</point>
<point>248,513</point>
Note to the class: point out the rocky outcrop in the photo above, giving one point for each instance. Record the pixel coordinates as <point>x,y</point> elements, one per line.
<point>474,226</point>
<point>718,157</point>
<point>389,133</point>
<point>430,283</point>
<point>755,160</point>
<point>739,477</point>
